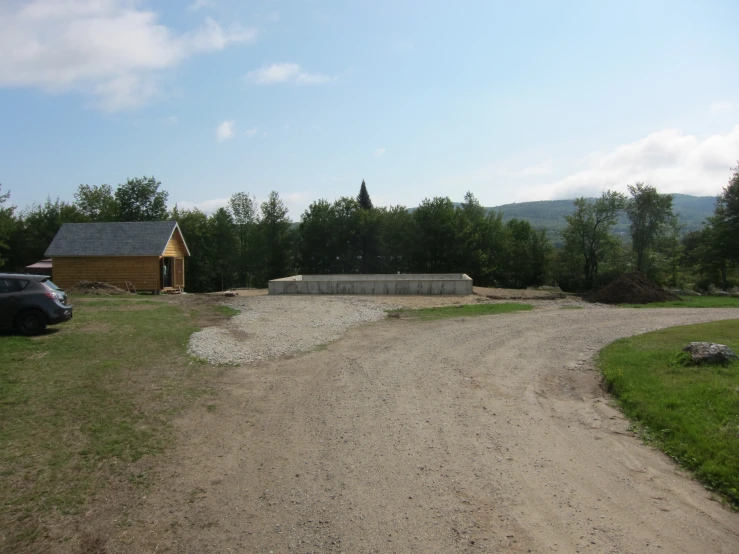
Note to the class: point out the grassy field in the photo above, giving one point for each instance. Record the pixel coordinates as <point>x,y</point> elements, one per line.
<point>691,302</point>
<point>83,406</point>
<point>691,413</point>
<point>469,310</point>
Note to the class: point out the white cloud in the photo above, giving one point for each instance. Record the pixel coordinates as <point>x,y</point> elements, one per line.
<point>723,107</point>
<point>670,160</point>
<point>251,132</point>
<point>114,50</point>
<point>379,152</point>
<point>201,4</point>
<point>225,130</point>
<point>279,73</point>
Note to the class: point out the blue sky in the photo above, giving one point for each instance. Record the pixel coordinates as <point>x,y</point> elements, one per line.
<point>514,101</point>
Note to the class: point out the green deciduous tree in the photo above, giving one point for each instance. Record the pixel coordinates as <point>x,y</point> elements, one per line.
<point>224,254</point>
<point>7,226</point>
<point>274,239</point>
<point>588,237</point>
<point>650,214</point>
<point>141,200</point>
<point>528,254</point>
<point>481,241</point>
<point>200,272</point>
<point>397,238</point>
<point>96,203</point>
<point>317,248</point>
<point>726,218</point>
<point>347,245</point>
<point>244,210</point>
<point>714,250</point>
<point>436,242</point>
<point>41,224</point>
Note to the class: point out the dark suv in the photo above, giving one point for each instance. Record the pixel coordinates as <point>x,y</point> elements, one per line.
<point>29,303</point>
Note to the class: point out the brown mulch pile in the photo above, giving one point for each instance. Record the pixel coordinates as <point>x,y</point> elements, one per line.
<point>632,288</point>
<point>95,287</point>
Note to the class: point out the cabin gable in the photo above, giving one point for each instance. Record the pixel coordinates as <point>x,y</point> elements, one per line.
<point>176,247</point>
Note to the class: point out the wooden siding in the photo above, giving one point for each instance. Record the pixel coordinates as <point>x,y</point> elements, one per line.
<point>175,246</point>
<point>142,271</point>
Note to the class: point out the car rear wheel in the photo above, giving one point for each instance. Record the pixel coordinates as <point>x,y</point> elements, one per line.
<point>31,323</point>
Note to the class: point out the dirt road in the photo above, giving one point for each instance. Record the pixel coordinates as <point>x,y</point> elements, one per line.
<point>470,435</point>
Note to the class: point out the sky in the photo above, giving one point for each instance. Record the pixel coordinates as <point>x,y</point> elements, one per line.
<point>514,101</point>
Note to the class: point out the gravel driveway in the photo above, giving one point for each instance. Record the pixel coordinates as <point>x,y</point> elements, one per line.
<point>486,434</point>
<point>274,326</point>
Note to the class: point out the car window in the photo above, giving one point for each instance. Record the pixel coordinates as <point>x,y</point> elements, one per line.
<point>5,286</point>
<point>12,285</point>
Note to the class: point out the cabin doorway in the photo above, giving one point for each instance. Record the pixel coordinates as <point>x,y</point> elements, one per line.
<point>167,268</point>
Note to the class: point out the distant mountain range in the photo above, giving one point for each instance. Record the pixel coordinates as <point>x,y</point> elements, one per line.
<point>549,214</point>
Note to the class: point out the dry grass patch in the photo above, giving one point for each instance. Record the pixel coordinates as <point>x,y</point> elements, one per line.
<point>83,409</point>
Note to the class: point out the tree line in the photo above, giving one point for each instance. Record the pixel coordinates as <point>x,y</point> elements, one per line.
<point>247,244</point>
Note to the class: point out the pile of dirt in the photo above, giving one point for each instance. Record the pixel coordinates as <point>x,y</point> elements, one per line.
<point>96,287</point>
<point>632,288</point>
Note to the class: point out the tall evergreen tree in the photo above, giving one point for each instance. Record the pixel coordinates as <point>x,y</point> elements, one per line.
<point>365,202</point>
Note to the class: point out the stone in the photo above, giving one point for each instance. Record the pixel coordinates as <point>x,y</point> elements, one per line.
<point>710,353</point>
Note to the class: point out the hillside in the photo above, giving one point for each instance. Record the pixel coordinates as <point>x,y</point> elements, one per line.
<point>549,214</point>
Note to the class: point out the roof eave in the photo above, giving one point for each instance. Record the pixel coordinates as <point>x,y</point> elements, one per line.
<point>176,228</point>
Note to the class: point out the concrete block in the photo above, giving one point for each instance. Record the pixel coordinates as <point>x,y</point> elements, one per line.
<point>380,284</point>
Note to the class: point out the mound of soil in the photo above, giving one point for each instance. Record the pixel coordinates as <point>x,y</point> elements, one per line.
<point>96,287</point>
<point>632,288</point>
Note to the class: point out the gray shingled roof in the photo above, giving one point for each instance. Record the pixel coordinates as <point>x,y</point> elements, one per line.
<point>141,238</point>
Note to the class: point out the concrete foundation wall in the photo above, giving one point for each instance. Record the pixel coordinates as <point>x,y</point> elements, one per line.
<point>373,284</point>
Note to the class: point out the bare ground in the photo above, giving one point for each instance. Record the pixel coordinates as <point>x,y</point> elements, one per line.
<point>469,435</point>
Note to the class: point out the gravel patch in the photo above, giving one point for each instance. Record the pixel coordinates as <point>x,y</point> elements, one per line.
<point>274,326</point>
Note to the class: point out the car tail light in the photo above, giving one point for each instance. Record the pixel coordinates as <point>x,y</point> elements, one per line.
<point>50,294</point>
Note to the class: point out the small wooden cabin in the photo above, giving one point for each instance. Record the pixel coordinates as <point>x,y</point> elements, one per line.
<point>150,255</point>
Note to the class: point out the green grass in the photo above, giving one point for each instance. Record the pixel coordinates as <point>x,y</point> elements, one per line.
<point>691,413</point>
<point>469,310</point>
<point>83,405</point>
<point>691,302</point>
<point>226,311</point>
